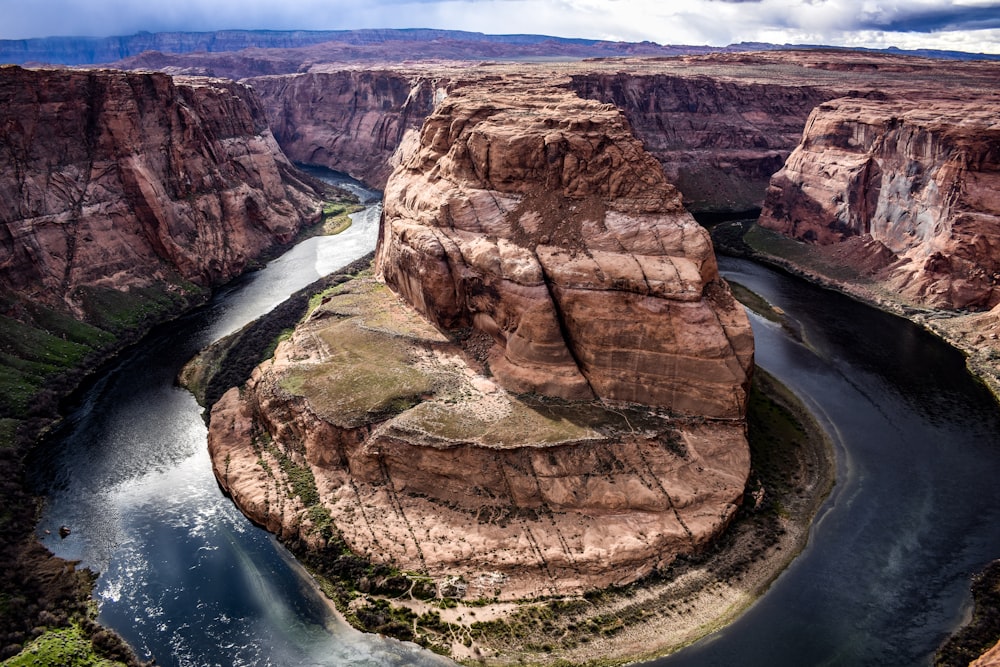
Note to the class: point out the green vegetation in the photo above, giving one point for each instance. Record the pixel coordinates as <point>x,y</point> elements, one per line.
<point>336,217</point>
<point>777,438</point>
<point>366,377</point>
<point>120,312</point>
<point>30,355</point>
<point>805,255</point>
<point>756,303</point>
<point>62,647</point>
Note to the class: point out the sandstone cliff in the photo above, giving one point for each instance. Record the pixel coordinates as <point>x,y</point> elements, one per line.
<point>557,267</point>
<point>122,196</point>
<point>118,180</point>
<point>348,120</point>
<point>719,139</point>
<point>537,218</point>
<point>911,188</point>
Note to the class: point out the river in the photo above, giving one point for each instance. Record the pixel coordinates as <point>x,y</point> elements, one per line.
<point>187,579</point>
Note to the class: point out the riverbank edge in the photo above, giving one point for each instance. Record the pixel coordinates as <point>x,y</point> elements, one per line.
<point>925,318</point>
<point>32,571</point>
<point>986,606</point>
<point>648,619</point>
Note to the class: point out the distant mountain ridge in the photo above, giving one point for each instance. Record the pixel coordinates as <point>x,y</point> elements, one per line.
<point>93,50</point>
<point>99,50</point>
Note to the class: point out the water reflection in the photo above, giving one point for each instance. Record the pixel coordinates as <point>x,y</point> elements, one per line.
<point>886,574</point>
<point>185,578</point>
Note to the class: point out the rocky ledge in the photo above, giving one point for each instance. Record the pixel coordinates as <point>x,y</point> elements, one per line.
<point>546,394</point>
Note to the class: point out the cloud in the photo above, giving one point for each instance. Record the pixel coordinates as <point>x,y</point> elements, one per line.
<point>875,23</point>
<point>944,18</point>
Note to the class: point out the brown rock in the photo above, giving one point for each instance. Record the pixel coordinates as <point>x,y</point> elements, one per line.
<point>348,120</point>
<point>532,219</point>
<point>123,180</point>
<point>621,301</point>
<point>989,659</point>
<point>918,179</point>
<point>519,496</point>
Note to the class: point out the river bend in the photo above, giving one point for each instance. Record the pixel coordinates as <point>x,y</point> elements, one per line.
<point>187,579</point>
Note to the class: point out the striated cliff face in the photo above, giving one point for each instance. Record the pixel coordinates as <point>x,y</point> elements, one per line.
<point>349,120</point>
<point>719,140</point>
<point>909,190</point>
<point>538,219</point>
<point>119,181</point>
<point>543,263</point>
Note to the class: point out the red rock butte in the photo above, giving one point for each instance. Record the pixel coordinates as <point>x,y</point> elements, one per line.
<point>553,400</point>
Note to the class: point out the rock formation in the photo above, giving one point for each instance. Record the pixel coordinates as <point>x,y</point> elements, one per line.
<point>910,188</point>
<point>574,416</point>
<point>119,181</point>
<point>989,659</point>
<point>719,139</point>
<point>348,120</point>
<point>538,219</point>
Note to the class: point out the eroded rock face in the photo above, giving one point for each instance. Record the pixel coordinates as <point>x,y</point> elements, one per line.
<point>123,180</point>
<point>422,461</point>
<point>555,404</point>
<point>348,120</point>
<point>537,218</point>
<point>719,140</point>
<point>913,187</point>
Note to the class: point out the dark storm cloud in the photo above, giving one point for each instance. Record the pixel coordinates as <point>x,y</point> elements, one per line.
<point>944,18</point>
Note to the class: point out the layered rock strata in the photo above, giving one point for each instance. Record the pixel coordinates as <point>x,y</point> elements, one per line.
<point>554,401</point>
<point>348,120</point>
<point>718,139</point>
<point>538,219</point>
<point>909,189</point>
<point>118,181</point>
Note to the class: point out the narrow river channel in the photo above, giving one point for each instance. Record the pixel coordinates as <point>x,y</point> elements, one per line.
<point>185,578</point>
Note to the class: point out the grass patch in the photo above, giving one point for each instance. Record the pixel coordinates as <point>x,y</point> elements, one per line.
<point>529,419</point>
<point>64,647</point>
<point>8,431</point>
<point>756,303</point>
<point>337,216</point>
<point>366,377</point>
<point>117,311</point>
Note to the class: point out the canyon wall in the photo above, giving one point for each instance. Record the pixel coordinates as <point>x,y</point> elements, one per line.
<point>119,181</point>
<point>910,191</point>
<point>554,400</point>
<point>718,139</point>
<point>348,120</point>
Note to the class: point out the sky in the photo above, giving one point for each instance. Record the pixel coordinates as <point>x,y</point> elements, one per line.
<point>963,25</point>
